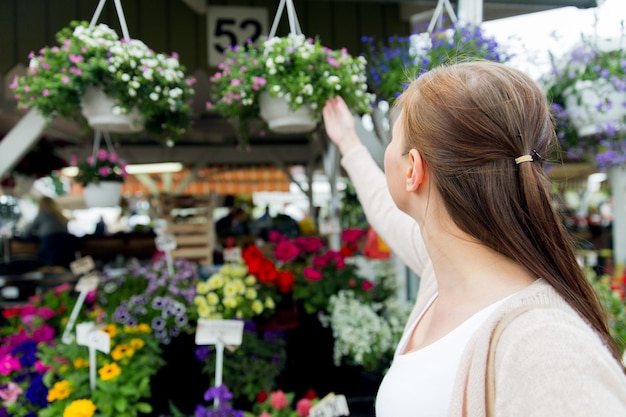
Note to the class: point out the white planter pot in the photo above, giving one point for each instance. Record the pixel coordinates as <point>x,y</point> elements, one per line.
<point>97,108</point>
<point>583,109</point>
<point>102,194</point>
<point>281,119</point>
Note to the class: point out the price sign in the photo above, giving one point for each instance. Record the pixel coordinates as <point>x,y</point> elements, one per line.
<point>230,26</point>
<point>82,266</point>
<point>330,406</point>
<point>88,283</point>
<point>227,332</point>
<point>330,226</point>
<point>165,242</point>
<point>232,255</point>
<point>87,334</point>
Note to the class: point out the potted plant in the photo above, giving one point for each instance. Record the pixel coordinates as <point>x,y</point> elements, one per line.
<point>296,70</point>
<point>91,63</point>
<point>102,177</point>
<point>587,88</point>
<point>393,64</point>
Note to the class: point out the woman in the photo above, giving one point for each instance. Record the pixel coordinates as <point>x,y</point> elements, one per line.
<point>465,203</point>
<point>56,244</point>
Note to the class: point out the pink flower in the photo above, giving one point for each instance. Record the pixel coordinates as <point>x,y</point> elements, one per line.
<point>104,171</point>
<point>45,92</point>
<point>40,367</point>
<point>303,407</point>
<point>235,82</point>
<point>10,393</point>
<point>278,399</point>
<point>45,313</point>
<point>91,160</point>
<point>13,83</point>
<point>286,251</point>
<point>45,65</point>
<point>265,414</point>
<point>352,235</point>
<point>113,157</point>
<point>367,285</point>
<point>209,105</point>
<point>102,155</point>
<point>9,364</point>
<point>43,334</point>
<point>65,79</point>
<point>62,288</point>
<point>311,274</point>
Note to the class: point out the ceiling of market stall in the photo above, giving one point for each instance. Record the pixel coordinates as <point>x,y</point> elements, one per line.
<point>212,140</point>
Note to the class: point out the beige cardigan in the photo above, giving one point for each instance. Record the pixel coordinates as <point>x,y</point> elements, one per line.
<point>549,362</point>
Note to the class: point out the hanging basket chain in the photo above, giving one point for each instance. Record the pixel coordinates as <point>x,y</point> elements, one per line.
<point>96,142</point>
<point>294,25</point>
<point>438,14</point>
<point>120,16</point>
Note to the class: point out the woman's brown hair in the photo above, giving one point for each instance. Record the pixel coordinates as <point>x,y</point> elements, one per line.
<point>470,121</point>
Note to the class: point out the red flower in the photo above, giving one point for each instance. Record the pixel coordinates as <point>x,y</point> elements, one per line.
<point>303,407</point>
<point>309,244</point>
<point>261,396</point>
<point>346,251</point>
<point>252,254</point>
<point>279,400</point>
<point>311,274</point>
<point>367,285</point>
<point>267,271</point>
<point>284,281</point>
<point>310,394</point>
<point>352,235</point>
<point>10,312</point>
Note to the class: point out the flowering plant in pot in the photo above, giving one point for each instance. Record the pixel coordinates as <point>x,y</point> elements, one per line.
<point>149,86</point>
<point>587,88</point>
<point>394,63</point>
<point>104,166</point>
<point>151,294</point>
<point>297,69</point>
<point>122,384</point>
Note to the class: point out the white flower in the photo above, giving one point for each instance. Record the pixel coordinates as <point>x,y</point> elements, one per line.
<point>276,88</point>
<point>154,96</point>
<point>132,92</point>
<point>280,59</point>
<point>333,79</point>
<point>125,77</point>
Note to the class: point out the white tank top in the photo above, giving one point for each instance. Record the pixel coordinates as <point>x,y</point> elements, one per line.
<point>420,383</point>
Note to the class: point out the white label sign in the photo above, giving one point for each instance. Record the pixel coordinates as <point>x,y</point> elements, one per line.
<point>232,255</point>
<point>330,226</point>
<point>230,26</point>
<point>88,335</point>
<point>82,265</point>
<point>227,332</point>
<point>88,283</point>
<point>330,406</point>
<point>166,242</point>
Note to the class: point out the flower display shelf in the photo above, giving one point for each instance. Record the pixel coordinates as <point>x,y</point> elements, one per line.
<point>102,194</point>
<point>99,110</point>
<point>281,119</point>
<point>583,106</point>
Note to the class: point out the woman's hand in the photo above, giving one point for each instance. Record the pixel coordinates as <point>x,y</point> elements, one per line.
<point>339,123</point>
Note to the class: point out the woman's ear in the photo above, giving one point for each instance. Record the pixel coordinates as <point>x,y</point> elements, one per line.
<point>415,172</point>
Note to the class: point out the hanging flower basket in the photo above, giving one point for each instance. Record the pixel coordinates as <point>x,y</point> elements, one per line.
<point>103,114</point>
<point>102,194</point>
<point>281,119</point>
<point>593,104</point>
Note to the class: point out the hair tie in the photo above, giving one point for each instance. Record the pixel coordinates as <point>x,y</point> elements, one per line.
<point>523,158</point>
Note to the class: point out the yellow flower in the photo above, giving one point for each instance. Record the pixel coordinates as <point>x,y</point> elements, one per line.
<point>250,280</point>
<point>109,372</point>
<point>111,329</point>
<point>202,287</point>
<point>212,298</point>
<point>81,363</point>
<point>250,293</point>
<point>241,288</point>
<point>203,311</point>
<point>230,302</point>
<point>122,351</point>
<point>230,289</point>
<point>80,408</point>
<point>257,306</point>
<point>60,391</point>
<point>215,281</point>
<point>239,271</point>
<point>239,314</point>
<point>140,328</point>
<point>199,300</point>
<point>136,343</point>
<point>269,303</point>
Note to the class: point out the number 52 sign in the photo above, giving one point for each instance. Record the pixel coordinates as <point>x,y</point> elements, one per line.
<point>230,26</point>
